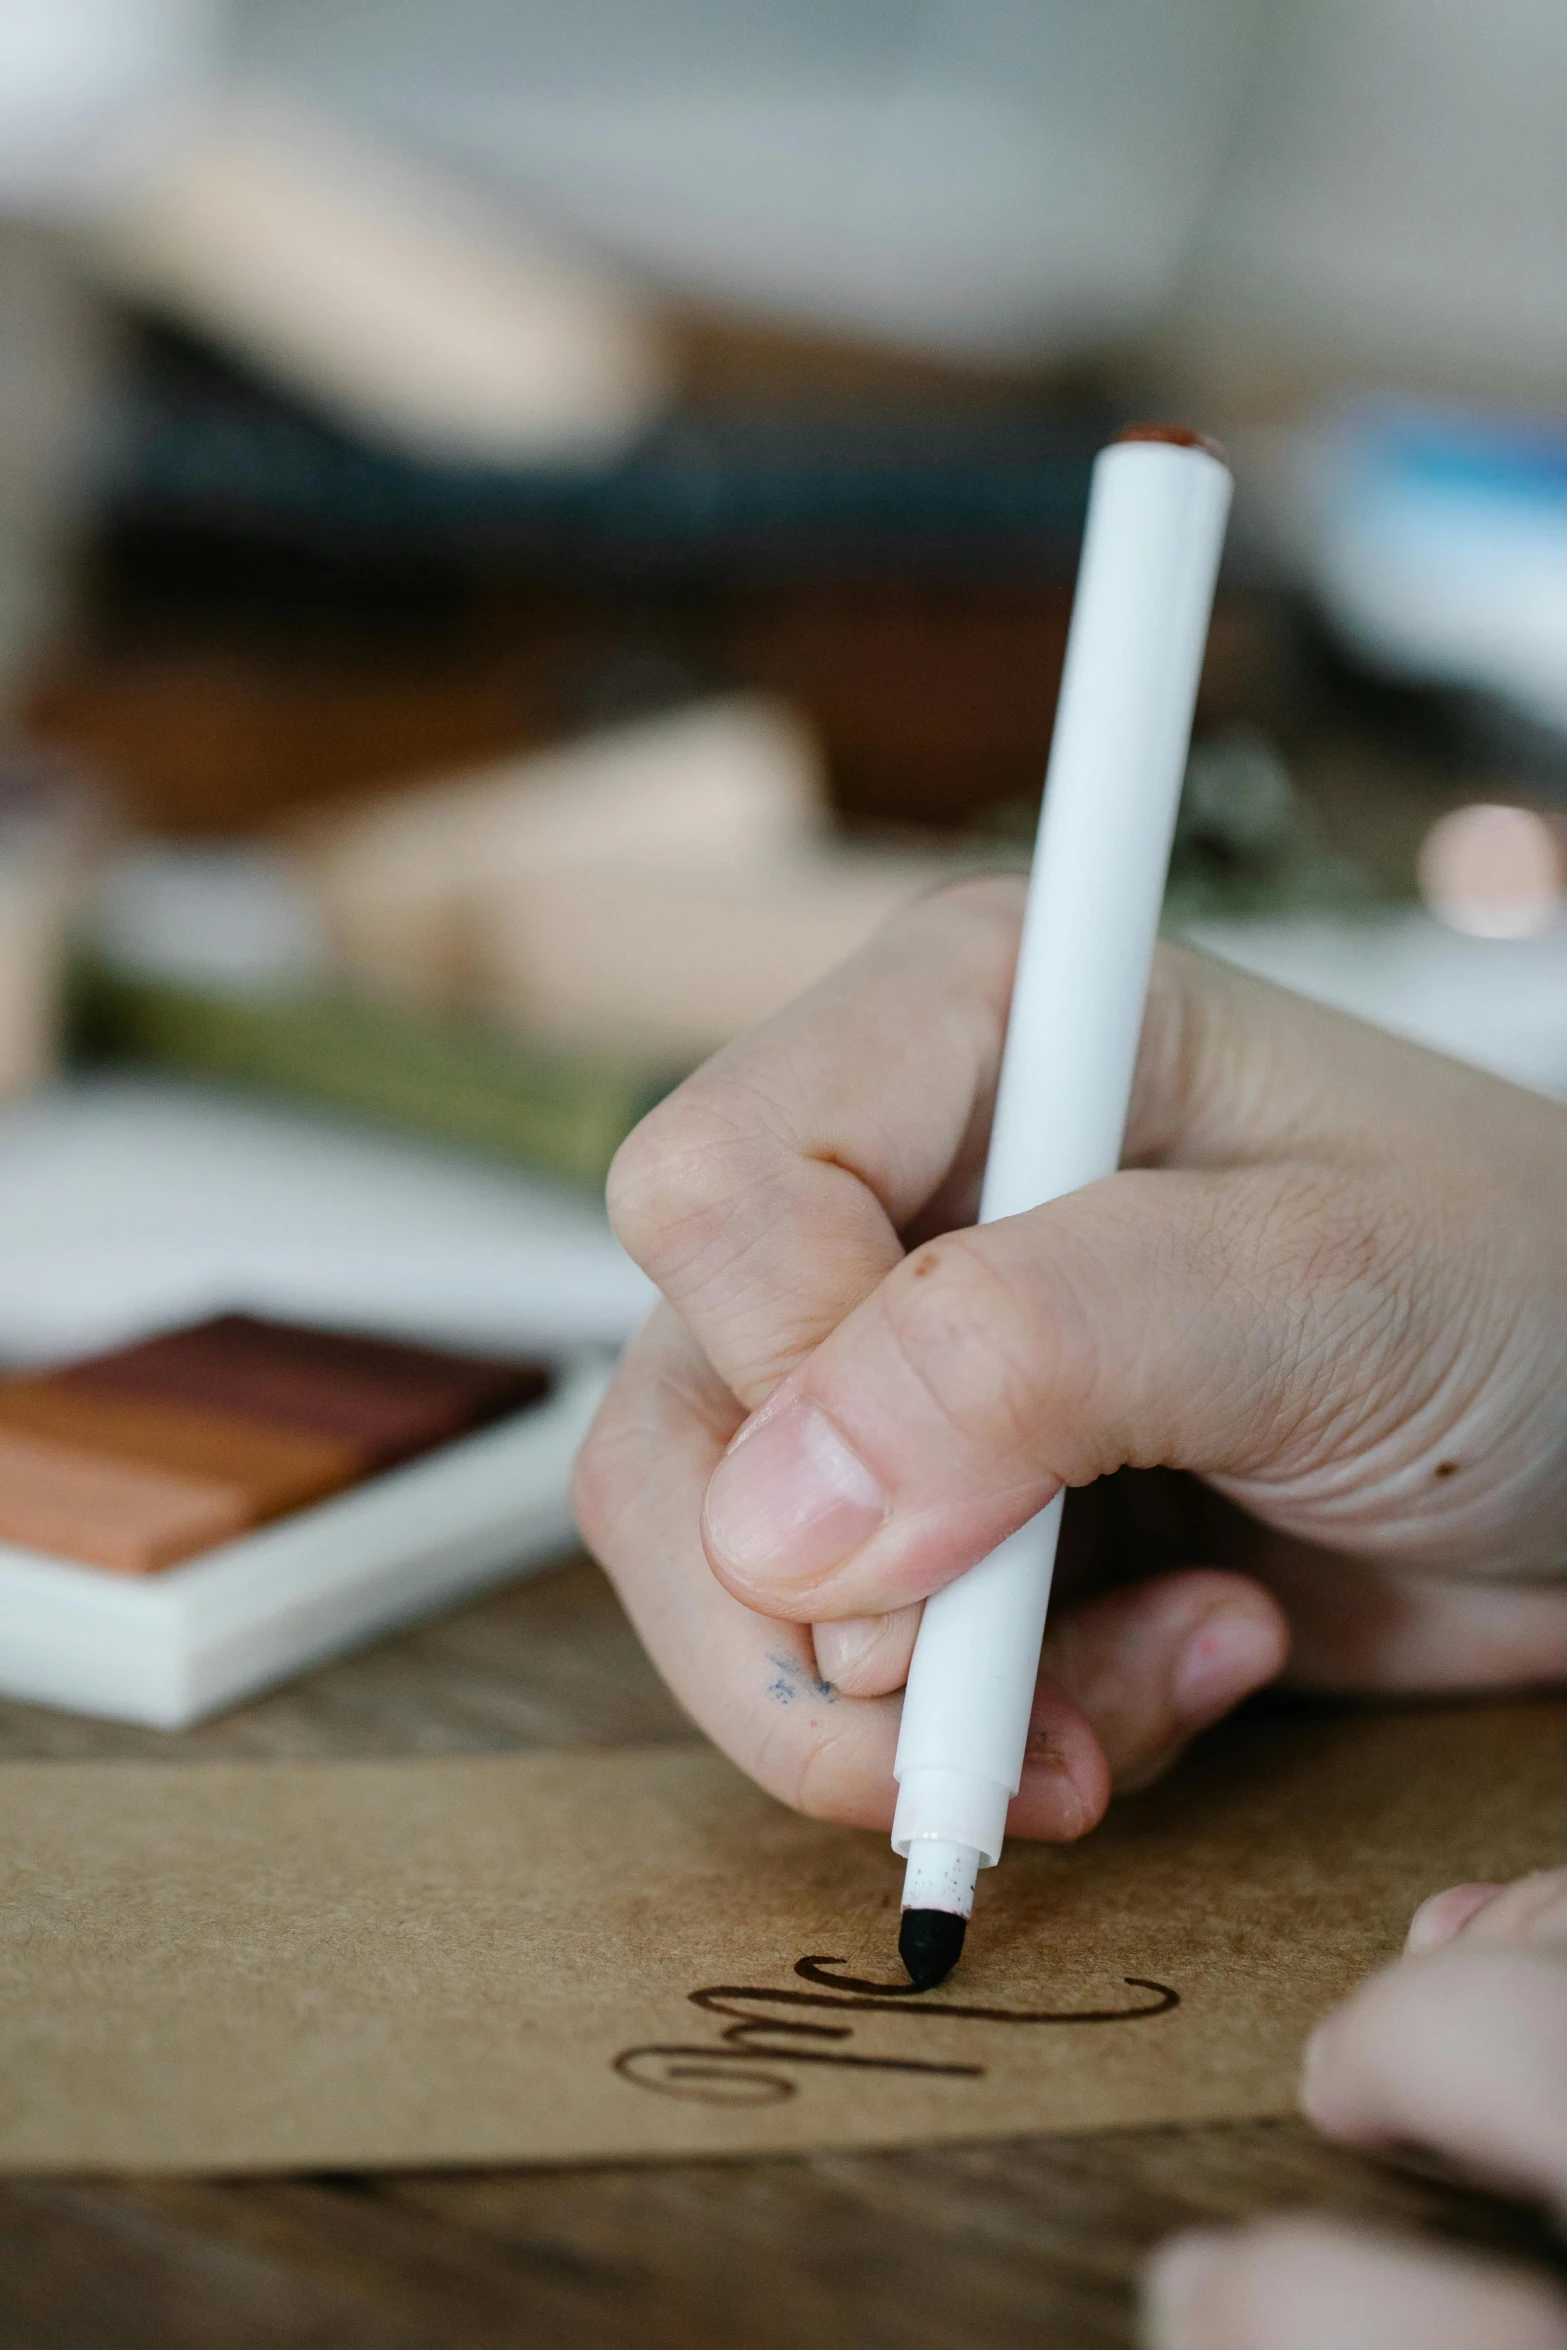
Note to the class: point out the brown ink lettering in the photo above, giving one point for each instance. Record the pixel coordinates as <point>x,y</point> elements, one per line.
<point>740,2068</point>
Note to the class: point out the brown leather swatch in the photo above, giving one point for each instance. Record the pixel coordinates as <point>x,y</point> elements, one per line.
<point>278,1469</point>
<point>386,1399</point>
<point>102,1510</point>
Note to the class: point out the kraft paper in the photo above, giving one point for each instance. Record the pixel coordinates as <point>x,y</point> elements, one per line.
<point>634,1954</point>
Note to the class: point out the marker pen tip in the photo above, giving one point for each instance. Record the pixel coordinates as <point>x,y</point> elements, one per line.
<point>930,1943</point>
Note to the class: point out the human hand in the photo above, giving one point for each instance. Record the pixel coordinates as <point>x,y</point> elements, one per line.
<point>1331,1282</point>
<point>1461,2047</point>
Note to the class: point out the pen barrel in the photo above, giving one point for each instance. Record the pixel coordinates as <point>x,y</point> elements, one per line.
<point>971,1683</point>
<point>1123,727</point>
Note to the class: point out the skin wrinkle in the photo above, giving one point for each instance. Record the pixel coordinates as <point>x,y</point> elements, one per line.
<point>1323,1343</point>
<point>691,1131</point>
<point>675,1223</point>
<point>1181,1252</point>
<point>640,1206</point>
<point>761,1369</point>
<point>1200,1248</point>
<point>1402,1463</point>
<point>935,1330</point>
<point>1423,1418</point>
<point>1104,1427</point>
<point>1535,1555</point>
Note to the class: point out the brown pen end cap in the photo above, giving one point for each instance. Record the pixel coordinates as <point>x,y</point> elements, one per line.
<point>1177,436</point>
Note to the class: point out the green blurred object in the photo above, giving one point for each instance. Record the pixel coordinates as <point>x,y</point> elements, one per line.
<point>1247,843</point>
<point>462,1082</point>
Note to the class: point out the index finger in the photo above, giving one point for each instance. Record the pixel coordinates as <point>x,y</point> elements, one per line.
<point>766,1196</point>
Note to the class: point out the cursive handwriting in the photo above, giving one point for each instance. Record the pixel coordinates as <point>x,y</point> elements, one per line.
<point>742,2067</point>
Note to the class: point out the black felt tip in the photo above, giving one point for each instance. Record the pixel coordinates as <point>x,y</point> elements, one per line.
<point>930,1943</point>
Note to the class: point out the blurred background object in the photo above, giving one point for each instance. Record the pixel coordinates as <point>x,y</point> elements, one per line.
<point>1392,205</point>
<point>406,308</point>
<point>1435,540</point>
<point>550,524</point>
<point>54,341</point>
<point>47,823</point>
<point>657,887</point>
<point>1493,872</point>
<point>128,1203</point>
<point>883,168</point>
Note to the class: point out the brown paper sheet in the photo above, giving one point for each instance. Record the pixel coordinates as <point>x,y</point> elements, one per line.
<point>635,1954</point>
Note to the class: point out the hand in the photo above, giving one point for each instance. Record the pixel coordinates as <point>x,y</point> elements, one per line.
<point>1461,2047</point>
<point>1331,1282</point>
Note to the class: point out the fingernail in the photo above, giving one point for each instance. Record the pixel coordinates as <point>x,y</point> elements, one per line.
<point>1231,1653</point>
<point>1071,1810</point>
<point>843,1645</point>
<point>1446,1914</point>
<point>790,1501</point>
<point>1176,2289</point>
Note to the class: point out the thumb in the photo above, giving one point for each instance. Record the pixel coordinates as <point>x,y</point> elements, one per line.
<point>1227,1323</point>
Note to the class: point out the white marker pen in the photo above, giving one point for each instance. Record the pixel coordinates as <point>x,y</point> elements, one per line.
<point>1156,517</point>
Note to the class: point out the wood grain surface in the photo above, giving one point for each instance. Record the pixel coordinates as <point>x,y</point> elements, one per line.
<point>1033,2242</point>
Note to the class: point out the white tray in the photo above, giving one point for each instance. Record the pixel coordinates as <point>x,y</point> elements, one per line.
<point>168,1649</point>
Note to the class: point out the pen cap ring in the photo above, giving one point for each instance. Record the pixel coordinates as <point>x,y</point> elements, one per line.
<point>955,1807</point>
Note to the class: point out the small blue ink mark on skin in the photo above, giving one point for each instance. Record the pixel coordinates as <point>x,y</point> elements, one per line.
<point>796,1680</point>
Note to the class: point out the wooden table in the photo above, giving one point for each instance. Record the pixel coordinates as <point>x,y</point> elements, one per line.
<point>1034,2242</point>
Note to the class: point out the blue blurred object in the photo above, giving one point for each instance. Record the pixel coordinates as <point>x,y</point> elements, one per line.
<point>1436,540</point>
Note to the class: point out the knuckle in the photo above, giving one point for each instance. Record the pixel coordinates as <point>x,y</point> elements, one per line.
<point>677,1176</point>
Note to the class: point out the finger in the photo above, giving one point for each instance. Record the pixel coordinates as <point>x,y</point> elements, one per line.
<point>749,1682</point>
<point>1464,2051</point>
<point>1148,1665</point>
<point>1304,2285</point>
<point>1361,1623</point>
<point>1445,1914</point>
<point>1151,1664</point>
<point>1532,1910</point>
<point>1199,1321</point>
<point>867,1656</point>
